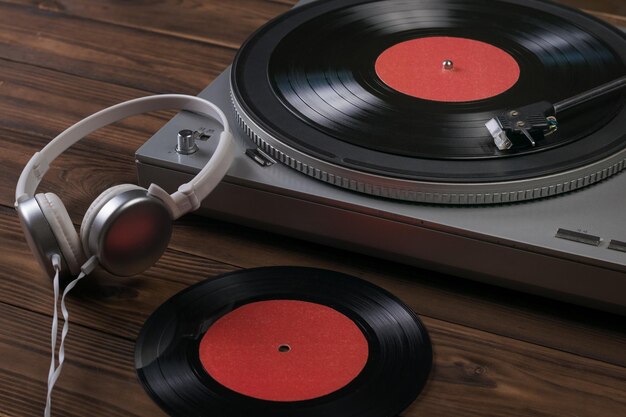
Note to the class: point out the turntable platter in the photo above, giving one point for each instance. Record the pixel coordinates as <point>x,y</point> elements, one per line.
<point>391,98</point>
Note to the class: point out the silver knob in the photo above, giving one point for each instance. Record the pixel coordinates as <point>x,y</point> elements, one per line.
<point>186,144</point>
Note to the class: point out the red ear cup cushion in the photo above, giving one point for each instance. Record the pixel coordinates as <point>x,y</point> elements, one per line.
<point>95,207</point>
<point>57,216</point>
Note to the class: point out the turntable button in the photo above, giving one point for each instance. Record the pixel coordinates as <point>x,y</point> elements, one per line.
<point>579,237</point>
<point>260,157</point>
<point>617,245</point>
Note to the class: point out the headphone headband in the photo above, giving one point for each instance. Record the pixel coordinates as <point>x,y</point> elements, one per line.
<point>188,196</point>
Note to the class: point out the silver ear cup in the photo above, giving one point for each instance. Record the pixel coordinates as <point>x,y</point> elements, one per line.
<point>130,232</point>
<point>41,238</point>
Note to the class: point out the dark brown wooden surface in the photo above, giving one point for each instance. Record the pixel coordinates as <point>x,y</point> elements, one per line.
<point>497,352</point>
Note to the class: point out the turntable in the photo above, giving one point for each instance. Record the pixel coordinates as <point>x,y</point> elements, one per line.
<point>483,139</point>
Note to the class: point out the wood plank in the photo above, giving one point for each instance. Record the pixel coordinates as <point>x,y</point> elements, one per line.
<point>465,380</point>
<point>53,107</point>
<point>475,374</point>
<point>98,377</point>
<point>225,23</point>
<point>43,102</point>
<point>131,57</point>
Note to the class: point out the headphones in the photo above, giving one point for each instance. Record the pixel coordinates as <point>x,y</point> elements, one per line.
<point>127,228</point>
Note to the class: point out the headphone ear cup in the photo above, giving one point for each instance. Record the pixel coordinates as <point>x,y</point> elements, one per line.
<point>127,229</point>
<point>63,229</point>
<point>95,208</point>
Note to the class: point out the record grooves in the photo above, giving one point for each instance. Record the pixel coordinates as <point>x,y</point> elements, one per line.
<point>201,333</point>
<point>307,88</point>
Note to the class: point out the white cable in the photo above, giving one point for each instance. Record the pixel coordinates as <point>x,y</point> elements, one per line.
<point>54,373</point>
<point>56,263</point>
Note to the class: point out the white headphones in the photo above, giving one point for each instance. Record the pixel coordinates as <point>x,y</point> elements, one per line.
<point>127,228</point>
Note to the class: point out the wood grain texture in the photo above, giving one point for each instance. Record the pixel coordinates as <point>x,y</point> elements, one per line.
<point>98,377</point>
<point>476,373</point>
<point>225,23</point>
<point>151,62</point>
<point>497,352</point>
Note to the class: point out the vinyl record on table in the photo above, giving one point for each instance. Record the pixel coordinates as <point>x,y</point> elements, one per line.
<point>356,89</point>
<point>283,341</point>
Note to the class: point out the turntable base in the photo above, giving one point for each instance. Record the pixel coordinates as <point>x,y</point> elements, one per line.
<point>513,245</point>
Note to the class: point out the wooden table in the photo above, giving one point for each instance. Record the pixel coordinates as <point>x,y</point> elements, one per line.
<point>497,352</point>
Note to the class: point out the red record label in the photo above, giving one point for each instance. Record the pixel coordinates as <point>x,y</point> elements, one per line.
<point>447,69</point>
<point>284,350</point>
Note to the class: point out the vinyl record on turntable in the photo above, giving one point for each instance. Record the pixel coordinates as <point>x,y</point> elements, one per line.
<point>283,341</point>
<point>391,98</point>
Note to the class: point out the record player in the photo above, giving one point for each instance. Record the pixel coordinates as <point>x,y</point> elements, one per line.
<point>370,150</point>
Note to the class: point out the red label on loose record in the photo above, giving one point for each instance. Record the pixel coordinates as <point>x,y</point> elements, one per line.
<point>475,70</point>
<point>284,350</point>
